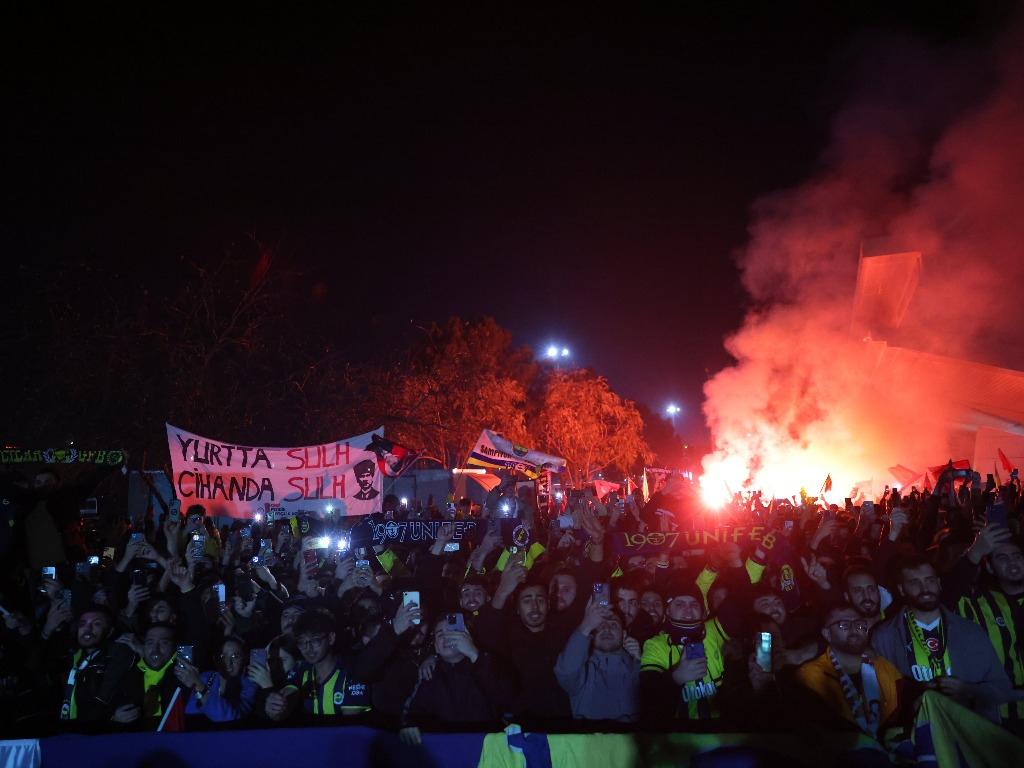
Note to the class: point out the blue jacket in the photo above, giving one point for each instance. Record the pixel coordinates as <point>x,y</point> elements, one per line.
<point>218,708</point>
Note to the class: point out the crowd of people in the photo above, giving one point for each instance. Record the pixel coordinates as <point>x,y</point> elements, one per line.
<point>833,617</point>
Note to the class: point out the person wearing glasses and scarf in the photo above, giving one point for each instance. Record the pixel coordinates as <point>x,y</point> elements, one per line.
<point>862,690</point>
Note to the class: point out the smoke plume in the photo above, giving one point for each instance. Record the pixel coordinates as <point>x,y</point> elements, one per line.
<point>929,153</point>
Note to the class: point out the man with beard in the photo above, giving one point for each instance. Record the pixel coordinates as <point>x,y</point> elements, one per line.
<point>473,595</point>
<point>599,667</point>
<point>466,686</point>
<point>860,589</point>
<point>997,608</point>
<point>861,690</point>
<point>797,638</point>
<point>530,639</point>
<point>943,651</point>
<point>562,589</point>
<point>147,689</point>
<point>95,668</point>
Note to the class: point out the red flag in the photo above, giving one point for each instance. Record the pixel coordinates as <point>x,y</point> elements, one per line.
<point>1007,464</point>
<point>174,717</point>
<point>603,487</point>
<point>934,472</point>
<point>828,483</point>
<point>392,458</point>
<point>904,476</point>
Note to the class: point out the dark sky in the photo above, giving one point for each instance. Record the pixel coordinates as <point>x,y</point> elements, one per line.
<point>584,178</point>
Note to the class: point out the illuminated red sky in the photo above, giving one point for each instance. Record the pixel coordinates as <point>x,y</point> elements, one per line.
<point>584,179</point>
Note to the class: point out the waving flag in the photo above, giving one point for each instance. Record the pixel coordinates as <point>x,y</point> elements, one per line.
<point>496,452</point>
<point>392,458</point>
<point>1007,464</point>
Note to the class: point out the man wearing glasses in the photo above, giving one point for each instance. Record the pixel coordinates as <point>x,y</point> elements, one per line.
<point>862,690</point>
<point>322,684</point>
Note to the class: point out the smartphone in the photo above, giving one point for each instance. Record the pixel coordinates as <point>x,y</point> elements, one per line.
<point>185,652</point>
<point>174,511</point>
<point>695,650</point>
<point>270,516</point>
<point>763,652</point>
<point>996,514</point>
<point>139,578</point>
<point>198,544</point>
<point>257,561</point>
<point>456,623</point>
<point>221,591</point>
<point>258,656</point>
<point>51,571</point>
<point>247,532</point>
<point>138,537</point>
<point>94,560</point>
<point>603,593</point>
<point>65,596</point>
<point>411,597</point>
<point>849,504</point>
<point>868,508</point>
<point>243,587</point>
<point>827,515</point>
<point>82,569</point>
<point>451,546</point>
<point>516,556</point>
<point>363,565</point>
<point>310,558</point>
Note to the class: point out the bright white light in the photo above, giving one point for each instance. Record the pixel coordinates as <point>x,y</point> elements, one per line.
<point>329,509</point>
<point>552,351</point>
<point>558,495</point>
<point>565,351</point>
<point>505,507</point>
<point>258,517</point>
<point>342,544</point>
<point>325,542</point>
<point>405,502</point>
<point>672,409</point>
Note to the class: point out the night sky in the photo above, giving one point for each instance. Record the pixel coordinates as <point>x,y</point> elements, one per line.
<point>584,178</point>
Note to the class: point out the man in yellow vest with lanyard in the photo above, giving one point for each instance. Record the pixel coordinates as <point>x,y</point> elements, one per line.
<point>682,666</point>
<point>322,684</point>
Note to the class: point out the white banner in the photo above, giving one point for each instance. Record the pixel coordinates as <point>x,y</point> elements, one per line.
<point>340,478</point>
<point>496,452</point>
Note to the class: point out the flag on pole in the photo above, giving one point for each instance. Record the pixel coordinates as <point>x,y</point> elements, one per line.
<point>496,452</point>
<point>827,485</point>
<point>392,458</point>
<point>1007,464</point>
<point>905,477</point>
<point>603,487</point>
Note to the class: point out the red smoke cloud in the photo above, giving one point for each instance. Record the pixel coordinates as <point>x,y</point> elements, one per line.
<point>929,154</point>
